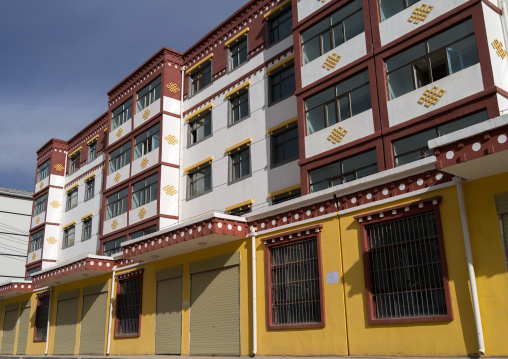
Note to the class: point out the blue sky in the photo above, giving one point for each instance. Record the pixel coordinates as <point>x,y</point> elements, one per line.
<point>59,58</point>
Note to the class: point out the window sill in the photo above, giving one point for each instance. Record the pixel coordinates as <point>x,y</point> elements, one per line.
<point>120,336</point>
<point>237,67</point>
<point>199,195</point>
<point>434,318</point>
<point>200,141</point>
<point>296,326</point>
<point>39,340</point>
<point>204,88</point>
<point>239,179</point>
<point>246,117</point>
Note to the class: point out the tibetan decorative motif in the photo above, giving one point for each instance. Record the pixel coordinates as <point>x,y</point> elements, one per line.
<point>144,162</point>
<point>34,256</point>
<point>117,177</point>
<point>170,190</point>
<point>55,204</point>
<point>114,224</point>
<point>51,240</point>
<point>142,213</point>
<point>431,97</point>
<point>420,13</point>
<point>146,114</point>
<point>58,167</point>
<point>37,220</point>
<point>42,185</point>
<point>173,87</point>
<point>337,135</point>
<point>171,140</point>
<point>498,45</point>
<point>119,132</point>
<point>331,61</point>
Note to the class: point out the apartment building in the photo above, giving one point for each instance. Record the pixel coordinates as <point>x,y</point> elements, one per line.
<point>312,177</point>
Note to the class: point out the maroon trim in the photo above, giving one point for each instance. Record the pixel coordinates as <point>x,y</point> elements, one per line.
<point>169,164</point>
<point>419,207</point>
<point>127,276</point>
<point>126,233</point>
<point>493,7</point>
<point>301,235</point>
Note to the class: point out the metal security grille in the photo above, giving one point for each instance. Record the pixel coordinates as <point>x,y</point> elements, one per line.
<point>128,306</point>
<point>41,318</point>
<point>295,283</point>
<point>405,268</point>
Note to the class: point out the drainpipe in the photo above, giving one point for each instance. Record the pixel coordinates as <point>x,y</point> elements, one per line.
<point>49,316</point>
<point>470,266</point>
<point>111,309</point>
<point>254,296</point>
<point>182,125</point>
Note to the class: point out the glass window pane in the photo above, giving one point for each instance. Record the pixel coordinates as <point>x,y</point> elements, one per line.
<point>331,113</point>
<point>462,123</point>
<point>320,98</point>
<point>315,120</point>
<point>352,82</point>
<point>345,11</point>
<point>326,42</point>
<point>311,50</point>
<point>413,142</point>
<point>359,161</point>
<point>360,100</point>
<point>405,57</point>
<point>344,108</point>
<point>353,25</point>
<point>338,38</point>
<point>325,172</point>
<point>400,82</point>
<point>388,8</point>
<point>315,30</point>
<point>450,35</point>
<point>462,54</point>
<point>422,73</point>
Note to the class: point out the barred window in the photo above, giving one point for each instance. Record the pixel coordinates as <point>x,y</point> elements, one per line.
<point>36,240</point>
<point>43,171</point>
<point>129,306</point>
<point>40,204</point>
<point>149,94</point>
<point>405,266</point>
<point>121,114</point>
<point>41,318</point>
<point>295,283</point>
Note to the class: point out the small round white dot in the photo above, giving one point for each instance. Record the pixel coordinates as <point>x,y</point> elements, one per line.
<point>239,228</point>
<point>190,231</point>
<point>182,234</point>
<point>321,209</point>
<point>402,186</point>
<point>108,265</point>
<point>273,222</point>
<point>353,200</point>
<point>219,225</point>
<point>501,139</point>
<point>199,229</point>
<point>263,225</point>
<point>174,236</point>
<point>308,212</point>
<point>100,264</point>
<point>449,155</point>
<point>369,196</point>
<point>419,182</point>
<point>385,192</point>
<point>284,219</point>
<point>439,176</point>
<point>297,216</point>
<point>91,262</point>
<point>477,146</point>
<point>209,226</point>
<point>230,227</point>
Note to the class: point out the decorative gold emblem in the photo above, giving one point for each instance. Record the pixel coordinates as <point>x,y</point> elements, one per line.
<point>170,190</point>
<point>420,13</point>
<point>144,162</point>
<point>431,97</point>
<point>58,167</point>
<point>173,87</point>
<point>331,61</point>
<point>42,185</point>
<point>337,135</point>
<point>146,114</point>
<point>171,140</point>
<point>498,45</point>
<point>114,224</point>
<point>117,177</point>
<point>142,213</point>
<point>55,204</point>
<point>34,256</point>
<point>51,240</point>
<point>119,132</point>
<point>37,220</point>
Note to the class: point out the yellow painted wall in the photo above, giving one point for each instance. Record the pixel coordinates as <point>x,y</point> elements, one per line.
<point>9,301</point>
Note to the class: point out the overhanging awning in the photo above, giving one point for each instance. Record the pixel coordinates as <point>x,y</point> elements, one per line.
<point>11,288</point>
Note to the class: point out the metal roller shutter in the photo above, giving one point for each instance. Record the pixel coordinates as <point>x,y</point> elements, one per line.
<point>93,324</point>
<point>9,329</point>
<point>169,316</point>
<point>24,323</point>
<point>215,314</point>
<point>502,210</point>
<point>66,322</point>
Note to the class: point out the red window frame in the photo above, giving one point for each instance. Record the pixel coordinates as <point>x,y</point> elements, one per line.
<point>37,315</point>
<point>120,278</point>
<point>430,205</point>
<point>285,238</point>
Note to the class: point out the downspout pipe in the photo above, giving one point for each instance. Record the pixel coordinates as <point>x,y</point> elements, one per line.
<point>470,266</point>
<point>111,309</point>
<point>254,295</point>
<point>182,126</point>
<point>49,316</point>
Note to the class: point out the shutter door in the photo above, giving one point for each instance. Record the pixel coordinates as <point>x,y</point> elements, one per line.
<point>93,324</point>
<point>504,222</point>
<point>215,314</point>
<point>169,316</point>
<point>66,321</point>
<point>24,323</point>
<point>9,330</point>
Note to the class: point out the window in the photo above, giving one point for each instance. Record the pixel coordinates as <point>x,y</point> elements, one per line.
<point>333,31</point>
<point>149,94</point>
<point>200,181</point>
<point>201,127</point>
<point>282,83</point>
<point>279,25</point>
<point>388,8</point>
<point>283,197</point>
<point>294,281</point>
<point>439,56</point>
<point>113,246</point>
<point>43,171</point>
<point>87,229</point>
<point>144,191</point>
<point>143,232</point>
<point>338,103</point>
<point>120,157</point>
<point>31,271</point>
<point>502,212</point>
<point>240,163</point>
<point>415,147</point>
<point>68,238</point>
<point>92,151</point>
<point>406,269</point>
<point>72,198</point>
<point>36,240</point>
<point>238,53</point>
<point>285,145</point>
<point>89,188</point>
<point>116,204</point>
<point>240,211</point>
<point>346,170</point>
<point>146,142</point>
<point>201,78</point>
<point>74,162</point>
<point>41,318</point>
<point>129,306</point>
<point>121,114</point>
<point>40,204</point>
<point>239,106</point>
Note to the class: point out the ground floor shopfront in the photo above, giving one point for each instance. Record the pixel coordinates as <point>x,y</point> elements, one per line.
<point>370,276</point>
